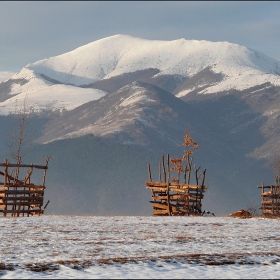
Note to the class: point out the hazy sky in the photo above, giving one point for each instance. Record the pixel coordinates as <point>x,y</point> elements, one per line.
<point>34,30</point>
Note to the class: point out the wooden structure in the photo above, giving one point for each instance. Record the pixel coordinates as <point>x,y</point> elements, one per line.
<point>270,200</point>
<point>172,198</point>
<point>21,197</point>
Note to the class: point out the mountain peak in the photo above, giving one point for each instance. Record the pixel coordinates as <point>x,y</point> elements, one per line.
<point>238,67</point>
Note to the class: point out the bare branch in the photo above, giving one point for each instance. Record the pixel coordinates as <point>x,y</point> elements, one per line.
<point>20,140</point>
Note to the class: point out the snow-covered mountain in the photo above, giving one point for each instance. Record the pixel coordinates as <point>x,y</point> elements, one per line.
<point>137,114</point>
<point>188,69</point>
<point>142,95</point>
<point>69,80</point>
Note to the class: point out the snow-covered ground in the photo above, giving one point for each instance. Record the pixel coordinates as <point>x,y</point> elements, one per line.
<point>139,247</point>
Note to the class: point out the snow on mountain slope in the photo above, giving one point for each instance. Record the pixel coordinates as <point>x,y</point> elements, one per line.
<point>137,114</point>
<point>115,55</point>
<point>51,83</point>
<point>109,115</point>
<point>44,96</point>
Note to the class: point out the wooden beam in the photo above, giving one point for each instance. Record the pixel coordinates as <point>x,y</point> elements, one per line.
<point>160,212</point>
<point>160,197</point>
<point>19,192</point>
<point>267,187</point>
<point>157,189</point>
<point>181,186</point>
<point>30,203</point>
<point>27,187</point>
<point>34,211</point>
<point>159,205</point>
<point>24,165</point>
<point>23,198</point>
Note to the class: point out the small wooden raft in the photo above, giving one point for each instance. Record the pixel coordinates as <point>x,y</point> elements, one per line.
<point>270,200</point>
<point>172,198</point>
<point>21,197</point>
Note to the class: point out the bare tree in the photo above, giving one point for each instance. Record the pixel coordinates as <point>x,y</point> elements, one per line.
<point>185,160</point>
<point>20,139</point>
<point>275,166</point>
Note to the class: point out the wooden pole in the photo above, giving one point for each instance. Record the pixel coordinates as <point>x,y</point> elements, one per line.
<point>163,168</point>
<point>149,173</point>
<point>159,172</point>
<point>272,208</point>
<point>44,177</point>
<point>276,198</point>
<point>5,182</point>
<point>45,170</point>
<point>190,169</point>
<point>203,178</point>
<point>263,198</point>
<point>43,210</point>
<point>196,173</point>
<point>185,174</point>
<point>168,196</point>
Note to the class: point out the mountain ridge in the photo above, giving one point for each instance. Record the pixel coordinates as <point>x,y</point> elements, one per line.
<point>231,109</point>
<point>236,66</point>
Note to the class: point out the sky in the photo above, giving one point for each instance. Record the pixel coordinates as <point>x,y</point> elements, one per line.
<point>34,30</point>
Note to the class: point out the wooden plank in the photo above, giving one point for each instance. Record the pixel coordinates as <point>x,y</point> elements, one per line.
<point>182,211</point>
<point>267,202</point>
<point>267,211</point>
<point>27,186</point>
<point>23,198</point>
<point>271,206</point>
<point>270,195</point>
<point>188,186</point>
<point>34,211</point>
<point>178,196</point>
<point>266,193</point>
<point>37,204</point>
<point>24,165</point>
<point>266,187</point>
<point>159,197</point>
<point>179,190</point>
<point>159,205</point>
<point>180,186</point>
<point>18,192</point>
<point>157,189</point>
<point>173,189</point>
<point>159,193</point>
<point>156,184</point>
<point>185,196</point>
<point>160,212</point>
<point>182,203</point>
